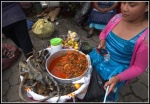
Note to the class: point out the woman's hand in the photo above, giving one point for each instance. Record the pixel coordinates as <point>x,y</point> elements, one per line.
<point>102,44</point>
<point>105,10</point>
<point>98,8</point>
<point>111,83</point>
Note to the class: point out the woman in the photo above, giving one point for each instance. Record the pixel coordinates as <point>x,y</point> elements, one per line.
<point>100,15</point>
<point>126,39</point>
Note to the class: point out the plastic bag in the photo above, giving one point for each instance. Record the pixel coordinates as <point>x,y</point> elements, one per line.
<point>82,14</point>
<point>46,4</point>
<point>95,89</point>
<point>80,93</point>
<point>43,28</point>
<point>29,24</point>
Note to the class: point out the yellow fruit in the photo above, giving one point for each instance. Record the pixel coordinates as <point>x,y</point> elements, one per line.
<point>72,39</point>
<point>77,86</point>
<point>76,45</point>
<point>75,42</point>
<point>76,48</point>
<point>74,33</point>
<point>69,32</point>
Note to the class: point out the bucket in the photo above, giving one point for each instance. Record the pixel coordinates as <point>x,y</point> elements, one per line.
<point>38,7</point>
<point>56,44</point>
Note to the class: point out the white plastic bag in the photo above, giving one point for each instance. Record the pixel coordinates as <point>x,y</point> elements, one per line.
<point>80,93</point>
<point>46,4</point>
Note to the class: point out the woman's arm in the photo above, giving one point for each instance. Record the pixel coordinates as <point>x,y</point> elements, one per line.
<point>139,66</point>
<point>103,10</point>
<point>112,7</point>
<point>97,7</point>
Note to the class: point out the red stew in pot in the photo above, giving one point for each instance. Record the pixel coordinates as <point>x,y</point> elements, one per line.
<point>71,65</point>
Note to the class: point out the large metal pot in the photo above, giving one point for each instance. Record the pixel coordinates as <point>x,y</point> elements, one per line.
<point>58,54</point>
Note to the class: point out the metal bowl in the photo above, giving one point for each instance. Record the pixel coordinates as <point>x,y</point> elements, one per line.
<point>58,54</point>
<point>86,47</point>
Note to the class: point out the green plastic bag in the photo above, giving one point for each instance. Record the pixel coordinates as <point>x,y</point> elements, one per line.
<point>43,28</point>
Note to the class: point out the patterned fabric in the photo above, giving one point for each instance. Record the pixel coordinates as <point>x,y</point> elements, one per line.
<point>98,17</point>
<point>120,48</point>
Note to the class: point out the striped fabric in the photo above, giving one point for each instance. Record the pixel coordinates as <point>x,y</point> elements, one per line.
<point>120,48</point>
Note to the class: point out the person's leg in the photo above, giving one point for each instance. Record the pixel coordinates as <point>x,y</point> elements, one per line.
<point>8,32</point>
<point>90,33</point>
<point>22,34</point>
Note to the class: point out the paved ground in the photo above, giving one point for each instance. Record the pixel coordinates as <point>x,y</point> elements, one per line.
<point>136,91</point>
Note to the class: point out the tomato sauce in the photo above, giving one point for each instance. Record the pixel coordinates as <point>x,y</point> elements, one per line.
<point>53,69</point>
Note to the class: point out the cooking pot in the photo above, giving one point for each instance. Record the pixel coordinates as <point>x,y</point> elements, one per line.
<point>59,54</point>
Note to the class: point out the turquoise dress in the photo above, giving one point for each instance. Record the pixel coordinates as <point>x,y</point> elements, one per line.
<point>120,51</point>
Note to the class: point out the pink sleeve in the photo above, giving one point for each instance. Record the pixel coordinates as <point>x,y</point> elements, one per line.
<point>113,21</point>
<point>104,33</point>
<point>139,66</point>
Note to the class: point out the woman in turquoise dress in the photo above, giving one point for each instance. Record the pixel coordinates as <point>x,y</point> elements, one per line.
<point>126,39</point>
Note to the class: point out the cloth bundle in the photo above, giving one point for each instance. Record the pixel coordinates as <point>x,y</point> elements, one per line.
<point>10,54</point>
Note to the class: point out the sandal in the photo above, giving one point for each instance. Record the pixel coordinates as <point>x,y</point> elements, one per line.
<point>89,35</point>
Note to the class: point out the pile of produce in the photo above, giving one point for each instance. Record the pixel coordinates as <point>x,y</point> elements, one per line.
<point>71,40</point>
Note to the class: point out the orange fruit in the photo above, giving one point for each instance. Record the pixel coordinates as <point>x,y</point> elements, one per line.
<point>77,86</point>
